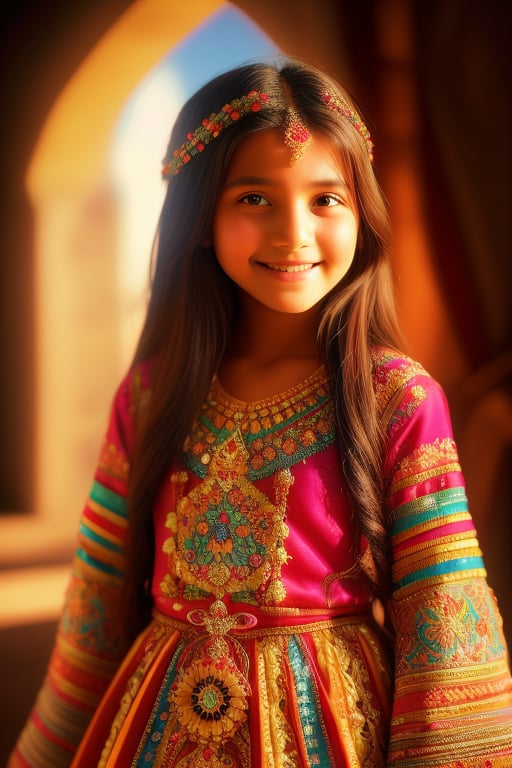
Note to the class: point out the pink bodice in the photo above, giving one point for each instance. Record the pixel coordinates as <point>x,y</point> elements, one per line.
<point>258,513</point>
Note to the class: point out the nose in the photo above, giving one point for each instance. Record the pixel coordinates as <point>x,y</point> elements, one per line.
<point>292,228</point>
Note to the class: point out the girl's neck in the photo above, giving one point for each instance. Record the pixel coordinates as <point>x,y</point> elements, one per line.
<point>270,352</point>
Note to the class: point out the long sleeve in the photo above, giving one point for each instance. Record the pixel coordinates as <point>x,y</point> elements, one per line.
<point>90,642</point>
<point>453,692</point>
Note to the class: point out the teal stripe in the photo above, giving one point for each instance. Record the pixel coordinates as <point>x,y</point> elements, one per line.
<point>93,563</point>
<point>314,737</point>
<point>435,499</point>
<point>450,566</point>
<point>108,499</point>
<point>159,716</point>
<point>427,508</point>
<point>93,536</point>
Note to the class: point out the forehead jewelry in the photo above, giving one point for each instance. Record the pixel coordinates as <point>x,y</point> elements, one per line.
<point>296,136</point>
<point>339,105</point>
<point>211,127</point>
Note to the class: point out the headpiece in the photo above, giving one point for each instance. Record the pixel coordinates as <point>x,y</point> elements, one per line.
<point>211,127</point>
<point>296,136</point>
<point>342,107</point>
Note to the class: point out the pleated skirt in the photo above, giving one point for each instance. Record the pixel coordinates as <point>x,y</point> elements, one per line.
<point>317,694</point>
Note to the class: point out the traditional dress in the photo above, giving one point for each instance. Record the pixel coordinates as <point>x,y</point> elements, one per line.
<point>263,651</point>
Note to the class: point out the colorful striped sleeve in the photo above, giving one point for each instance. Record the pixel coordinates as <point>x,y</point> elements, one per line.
<point>90,641</point>
<point>453,691</point>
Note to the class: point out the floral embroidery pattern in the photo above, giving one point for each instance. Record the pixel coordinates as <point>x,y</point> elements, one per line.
<point>456,627</point>
<point>411,400</point>
<point>87,617</point>
<point>229,534</point>
<point>226,535</point>
<point>391,375</point>
<point>277,735</point>
<point>209,698</point>
<point>278,432</point>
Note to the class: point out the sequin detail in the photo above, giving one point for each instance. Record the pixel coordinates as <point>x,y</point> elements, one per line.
<point>278,432</point>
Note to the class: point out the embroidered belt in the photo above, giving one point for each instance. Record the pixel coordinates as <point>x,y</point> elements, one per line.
<point>218,622</point>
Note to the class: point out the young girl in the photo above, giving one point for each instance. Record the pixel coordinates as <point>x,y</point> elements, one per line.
<point>276,565</point>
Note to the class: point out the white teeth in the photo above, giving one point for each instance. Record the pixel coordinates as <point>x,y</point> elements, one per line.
<point>290,267</point>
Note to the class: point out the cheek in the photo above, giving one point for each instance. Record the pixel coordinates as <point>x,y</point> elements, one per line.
<point>233,234</point>
<point>341,239</point>
<point>349,229</point>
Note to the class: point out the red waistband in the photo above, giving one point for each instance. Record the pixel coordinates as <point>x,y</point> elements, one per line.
<point>250,626</point>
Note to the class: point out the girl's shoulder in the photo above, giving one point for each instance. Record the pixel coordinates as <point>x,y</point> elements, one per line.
<point>395,374</point>
<point>391,364</point>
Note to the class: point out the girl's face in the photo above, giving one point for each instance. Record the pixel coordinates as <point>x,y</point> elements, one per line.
<point>284,232</point>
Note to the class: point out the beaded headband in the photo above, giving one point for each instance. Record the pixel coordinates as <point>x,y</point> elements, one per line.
<point>296,136</point>
<point>339,105</point>
<point>211,127</point>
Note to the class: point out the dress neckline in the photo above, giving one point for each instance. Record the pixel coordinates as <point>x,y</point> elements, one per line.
<point>318,377</point>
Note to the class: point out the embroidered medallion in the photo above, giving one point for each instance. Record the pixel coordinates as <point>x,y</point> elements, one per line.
<point>229,534</point>
<point>209,697</point>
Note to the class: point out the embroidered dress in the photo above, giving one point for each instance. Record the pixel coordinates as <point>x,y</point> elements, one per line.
<point>262,651</point>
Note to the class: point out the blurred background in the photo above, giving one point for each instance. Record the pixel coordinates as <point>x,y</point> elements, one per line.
<point>89,94</point>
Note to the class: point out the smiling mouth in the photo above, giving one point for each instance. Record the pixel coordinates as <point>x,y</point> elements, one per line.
<point>287,267</point>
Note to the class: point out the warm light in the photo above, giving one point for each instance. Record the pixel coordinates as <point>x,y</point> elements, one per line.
<point>138,146</point>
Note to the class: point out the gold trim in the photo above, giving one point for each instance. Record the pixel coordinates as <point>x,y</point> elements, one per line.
<point>312,626</point>
<point>419,477</point>
<point>436,521</point>
<point>462,577</point>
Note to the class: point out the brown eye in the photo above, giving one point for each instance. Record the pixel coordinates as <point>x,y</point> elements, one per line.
<point>327,201</point>
<point>254,199</point>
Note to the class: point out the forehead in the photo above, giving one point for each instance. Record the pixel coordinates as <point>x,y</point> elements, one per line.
<point>265,154</point>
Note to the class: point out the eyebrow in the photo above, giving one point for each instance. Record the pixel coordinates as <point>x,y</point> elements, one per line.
<point>256,181</point>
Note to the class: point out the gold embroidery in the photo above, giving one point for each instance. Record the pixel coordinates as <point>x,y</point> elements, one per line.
<point>439,580</point>
<point>278,738</point>
<point>426,461</point>
<point>278,431</point>
<point>390,382</point>
<point>286,630</point>
<point>342,660</point>
<point>350,573</point>
<point>227,535</point>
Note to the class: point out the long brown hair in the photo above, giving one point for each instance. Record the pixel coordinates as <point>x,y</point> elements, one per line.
<point>193,308</point>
